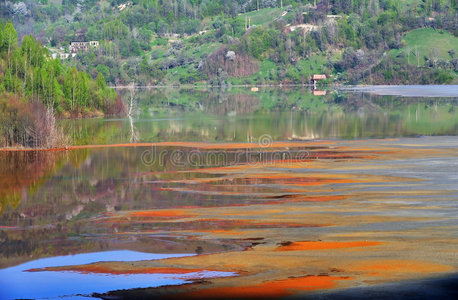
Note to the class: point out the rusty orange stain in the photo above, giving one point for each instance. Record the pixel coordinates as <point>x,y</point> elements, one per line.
<point>173,213</point>
<point>181,144</point>
<point>318,245</point>
<point>271,289</point>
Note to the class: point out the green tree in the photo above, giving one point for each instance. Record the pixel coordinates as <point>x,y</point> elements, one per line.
<point>9,37</point>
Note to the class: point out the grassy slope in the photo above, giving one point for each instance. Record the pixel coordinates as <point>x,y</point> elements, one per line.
<point>193,50</point>
<point>426,39</point>
<point>262,16</point>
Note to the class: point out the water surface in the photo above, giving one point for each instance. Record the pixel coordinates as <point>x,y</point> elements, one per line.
<point>19,282</point>
<point>271,191</point>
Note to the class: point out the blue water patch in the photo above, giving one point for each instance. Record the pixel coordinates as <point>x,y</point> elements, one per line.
<point>17,283</point>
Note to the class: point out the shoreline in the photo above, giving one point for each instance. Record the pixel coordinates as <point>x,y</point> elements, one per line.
<point>189,86</point>
<point>201,145</point>
<point>335,85</point>
<point>221,145</point>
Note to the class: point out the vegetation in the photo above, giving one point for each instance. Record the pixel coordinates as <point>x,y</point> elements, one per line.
<point>188,41</point>
<point>214,42</point>
<point>35,88</point>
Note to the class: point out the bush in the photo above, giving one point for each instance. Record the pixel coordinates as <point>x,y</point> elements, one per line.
<point>443,77</point>
<point>27,124</point>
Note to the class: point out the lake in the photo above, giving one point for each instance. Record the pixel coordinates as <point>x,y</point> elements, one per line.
<point>238,194</point>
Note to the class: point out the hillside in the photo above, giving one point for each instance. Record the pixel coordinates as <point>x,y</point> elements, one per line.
<point>222,42</point>
<point>425,44</point>
<point>35,89</point>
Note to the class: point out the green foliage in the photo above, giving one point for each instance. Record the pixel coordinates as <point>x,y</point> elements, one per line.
<point>262,16</point>
<point>29,72</point>
<point>153,29</point>
<point>9,37</point>
<point>425,40</point>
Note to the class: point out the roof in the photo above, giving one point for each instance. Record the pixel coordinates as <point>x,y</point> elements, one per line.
<point>319,77</point>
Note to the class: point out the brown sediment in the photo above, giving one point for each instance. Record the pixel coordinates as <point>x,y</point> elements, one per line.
<point>247,224</point>
<point>219,170</point>
<point>257,193</point>
<point>245,180</point>
<point>101,269</point>
<point>271,289</point>
<point>387,267</point>
<point>223,225</point>
<point>309,199</point>
<point>224,232</point>
<point>319,245</point>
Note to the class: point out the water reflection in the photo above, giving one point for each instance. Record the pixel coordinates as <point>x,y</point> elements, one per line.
<point>107,199</point>
<point>58,192</point>
<point>22,173</point>
<point>52,284</point>
<point>215,116</point>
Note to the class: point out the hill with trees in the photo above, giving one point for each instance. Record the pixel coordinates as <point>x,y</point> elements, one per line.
<point>34,89</point>
<point>249,41</point>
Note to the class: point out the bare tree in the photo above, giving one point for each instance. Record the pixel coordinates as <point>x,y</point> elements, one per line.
<point>408,54</point>
<point>289,46</point>
<point>434,56</point>
<point>133,133</point>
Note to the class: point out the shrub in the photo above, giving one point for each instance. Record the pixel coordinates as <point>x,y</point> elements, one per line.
<point>27,124</point>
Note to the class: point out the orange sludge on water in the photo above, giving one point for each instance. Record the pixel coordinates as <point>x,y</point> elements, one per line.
<point>172,213</point>
<point>390,266</point>
<point>278,288</point>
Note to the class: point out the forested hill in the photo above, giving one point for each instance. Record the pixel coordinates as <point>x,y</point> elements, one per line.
<point>34,89</point>
<point>249,41</point>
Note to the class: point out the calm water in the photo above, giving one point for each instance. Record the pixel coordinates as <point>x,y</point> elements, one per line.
<point>56,285</point>
<point>240,115</point>
<point>57,206</point>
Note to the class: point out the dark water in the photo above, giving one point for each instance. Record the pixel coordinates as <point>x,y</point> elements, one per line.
<point>53,204</point>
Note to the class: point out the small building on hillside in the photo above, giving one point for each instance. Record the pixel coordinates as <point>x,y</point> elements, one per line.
<point>319,93</point>
<point>94,44</point>
<point>59,53</point>
<point>316,78</point>
<point>334,16</point>
<point>76,47</point>
<point>306,28</point>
